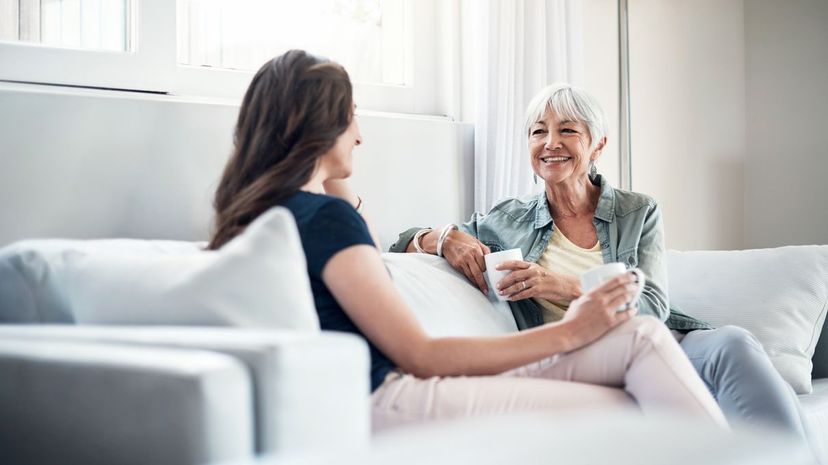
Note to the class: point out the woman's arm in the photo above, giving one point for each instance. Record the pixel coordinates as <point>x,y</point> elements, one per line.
<point>463,252</point>
<point>461,249</point>
<point>340,188</point>
<point>404,241</point>
<point>651,260</point>
<point>360,283</point>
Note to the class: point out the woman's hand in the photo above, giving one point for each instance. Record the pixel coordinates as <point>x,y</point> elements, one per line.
<point>465,253</point>
<point>528,280</point>
<point>596,312</point>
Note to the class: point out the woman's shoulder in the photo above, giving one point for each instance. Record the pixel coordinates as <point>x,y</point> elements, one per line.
<point>307,206</point>
<point>627,202</point>
<point>516,204</point>
<point>515,208</point>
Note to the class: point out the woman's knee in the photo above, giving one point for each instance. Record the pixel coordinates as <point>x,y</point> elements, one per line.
<point>647,324</point>
<point>647,327</point>
<point>728,344</point>
<point>735,340</point>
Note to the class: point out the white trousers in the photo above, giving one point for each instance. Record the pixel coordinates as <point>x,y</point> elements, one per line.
<point>638,363</point>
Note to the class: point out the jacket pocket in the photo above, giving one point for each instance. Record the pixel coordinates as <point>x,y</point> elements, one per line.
<point>629,258</point>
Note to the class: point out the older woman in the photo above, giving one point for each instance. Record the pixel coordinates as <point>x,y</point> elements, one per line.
<point>580,221</point>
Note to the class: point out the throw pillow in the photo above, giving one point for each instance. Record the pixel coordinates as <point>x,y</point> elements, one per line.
<point>778,294</point>
<point>33,273</point>
<point>259,279</point>
<point>443,300</point>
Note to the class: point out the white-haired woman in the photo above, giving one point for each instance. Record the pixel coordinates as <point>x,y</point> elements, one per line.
<point>579,221</point>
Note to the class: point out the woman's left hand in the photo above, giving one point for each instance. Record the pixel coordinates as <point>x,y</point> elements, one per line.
<point>528,280</point>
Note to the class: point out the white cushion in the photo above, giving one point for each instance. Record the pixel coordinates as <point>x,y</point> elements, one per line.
<point>87,403</point>
<point>33,273</point>
<point>443,300</point>
<point>288,369</point>
<point>611,437</point>
<point>815,417</point>
<point>777,294</point>
<point>259,279</point>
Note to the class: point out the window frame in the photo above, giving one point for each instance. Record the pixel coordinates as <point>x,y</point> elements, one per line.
<point>151,63</point>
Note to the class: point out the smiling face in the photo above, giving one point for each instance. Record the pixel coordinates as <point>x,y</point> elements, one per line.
<point>560,148</point>
<point>338,161</point>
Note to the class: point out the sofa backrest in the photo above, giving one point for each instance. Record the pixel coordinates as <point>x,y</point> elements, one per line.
<point>147,167</point>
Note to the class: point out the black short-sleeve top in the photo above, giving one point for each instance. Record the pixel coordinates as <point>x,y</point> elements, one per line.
<point>328,225</point>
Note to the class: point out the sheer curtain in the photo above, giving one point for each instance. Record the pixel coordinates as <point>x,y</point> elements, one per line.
<point>523,45</point>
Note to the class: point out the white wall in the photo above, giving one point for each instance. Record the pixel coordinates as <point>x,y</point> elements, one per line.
<point>688,117</point>
<point>87,164</point>
<point>786,174</point>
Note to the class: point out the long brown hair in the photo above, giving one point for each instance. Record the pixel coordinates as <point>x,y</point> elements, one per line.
<point>294,110</point>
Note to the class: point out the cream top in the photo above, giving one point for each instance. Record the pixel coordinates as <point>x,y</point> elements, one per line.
<point>562,256</point>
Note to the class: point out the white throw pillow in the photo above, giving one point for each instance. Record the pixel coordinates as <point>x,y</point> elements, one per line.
<point>259,279</point>
<point>778,294</point>
<point>33,273</point>
<point>443,300</point>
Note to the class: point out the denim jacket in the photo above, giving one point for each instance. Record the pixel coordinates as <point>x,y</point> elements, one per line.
<point>629,230</point>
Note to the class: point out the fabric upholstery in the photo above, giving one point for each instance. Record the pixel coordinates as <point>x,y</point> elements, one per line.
<point>778,294</point>
<point>71,402</point>
<point>311,390</point>
<point>256,280</point>
<point>815,416</point>
<point>443,300</point>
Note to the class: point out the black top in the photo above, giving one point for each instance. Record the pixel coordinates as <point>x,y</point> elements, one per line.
<point>328,225</point>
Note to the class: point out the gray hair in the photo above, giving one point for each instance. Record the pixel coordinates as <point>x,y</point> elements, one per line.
<point>572,103</point>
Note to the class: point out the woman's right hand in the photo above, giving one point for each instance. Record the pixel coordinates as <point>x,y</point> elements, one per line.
<point>596,312</point>
<point>465,253</point>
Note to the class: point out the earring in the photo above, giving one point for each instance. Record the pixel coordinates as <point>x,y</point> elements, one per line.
<point>593,171</point>
<point>535,177</point>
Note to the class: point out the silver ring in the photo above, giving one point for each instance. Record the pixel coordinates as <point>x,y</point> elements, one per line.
<point>524,285</point>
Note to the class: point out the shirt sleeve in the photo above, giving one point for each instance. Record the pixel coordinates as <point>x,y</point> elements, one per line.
<point>335,227</point>
<point>471,227</point>
<point>651,260</point>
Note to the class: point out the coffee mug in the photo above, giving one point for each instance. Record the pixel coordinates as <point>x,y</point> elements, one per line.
<point>494,276</point>
<point>602,273</point>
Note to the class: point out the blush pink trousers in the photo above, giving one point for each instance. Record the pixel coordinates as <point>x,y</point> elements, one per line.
<point>638,363</point>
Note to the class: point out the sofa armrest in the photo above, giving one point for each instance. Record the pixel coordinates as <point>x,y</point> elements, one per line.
<point>100,403</point>
<point>311,389</point>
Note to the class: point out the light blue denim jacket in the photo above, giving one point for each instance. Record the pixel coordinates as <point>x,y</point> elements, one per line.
<point>629,229</point>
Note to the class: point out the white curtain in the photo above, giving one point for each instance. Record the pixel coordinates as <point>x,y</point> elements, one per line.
<point>523,46</point>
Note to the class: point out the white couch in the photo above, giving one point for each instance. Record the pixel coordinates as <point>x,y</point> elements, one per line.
<point>305,390</point>
<point>257,377</point>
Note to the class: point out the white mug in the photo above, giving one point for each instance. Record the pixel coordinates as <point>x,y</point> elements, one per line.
<point>599,274</point>
<point>494,276</point>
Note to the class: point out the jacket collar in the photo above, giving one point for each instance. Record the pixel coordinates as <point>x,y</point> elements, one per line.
<point>604,211</point>
<point>606,202</point>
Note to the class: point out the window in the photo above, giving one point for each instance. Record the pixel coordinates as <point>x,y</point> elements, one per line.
<point>84,24</point>
<point>210,48</point>
<point>365,36</point>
